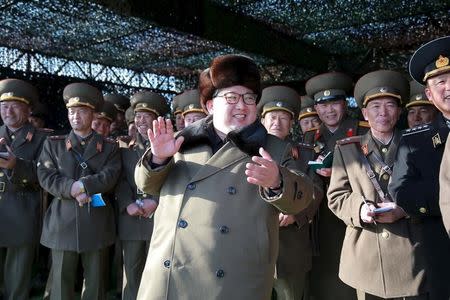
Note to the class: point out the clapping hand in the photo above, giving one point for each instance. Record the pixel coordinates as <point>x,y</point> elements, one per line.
<point>263,171</point>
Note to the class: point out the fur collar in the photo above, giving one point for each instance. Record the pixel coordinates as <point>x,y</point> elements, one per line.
<point>248,139</point>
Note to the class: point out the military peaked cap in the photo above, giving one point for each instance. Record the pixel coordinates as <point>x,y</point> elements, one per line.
<point>307,107</point>
<point>18,90</point>
<point>108,111</point>
<point>381,83</point>
<point>129,115</point>
<point>329,86</point>
<point>82,94</point>
<point>120,102</point>
<point>189,101</point>
<point>279,98</point>
<point>430,60</point>
<point>150,102</point>
<point>417,95</point>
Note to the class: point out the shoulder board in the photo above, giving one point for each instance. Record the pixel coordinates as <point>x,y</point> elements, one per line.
<point>305,146</point>
<point>363,124</point>
<point>57,137</point>
<point>312,129</point>
<point>349,140</point>
<point>46,130</point>
<point>110,140</point>
<point>417,129</point>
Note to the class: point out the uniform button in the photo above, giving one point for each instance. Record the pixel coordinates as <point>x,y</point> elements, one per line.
<point>167,263</point>
<point>385,234</point>
<point>231,190</point>
<point>384,150</point>
<point>191,186</point>
<point>2,174</point>
<point>220,273</point>
<point>144,195</point>
<point>83,143</point>
<point>423,210</point>
<point>13,137</point>
<point>24,181</point>
<point>385,176</point>
<point>182,223</point>
<point>224,229</point>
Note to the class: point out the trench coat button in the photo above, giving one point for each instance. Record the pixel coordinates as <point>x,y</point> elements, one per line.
<point>385,176</point>
<point>191,186</point>
<point>167,263</point>
<point>182,223</point>
<point>384,150</point>
<point>13,137</point>
<point>385,234</point>
<point>231,190</point>
<point>224,229</point>
<point>220,273</point>
<point>423,210</point>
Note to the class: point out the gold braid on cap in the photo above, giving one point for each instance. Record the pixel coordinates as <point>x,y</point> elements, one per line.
<point>10,97</point>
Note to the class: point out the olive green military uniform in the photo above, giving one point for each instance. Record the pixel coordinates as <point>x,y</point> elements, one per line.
<point>379,260</point>
<point>70,230</point>
<point>121,103</point>
<point>327,229</point>
<point>20,195</point>
<point>135,232</point>
<point>295,248</point>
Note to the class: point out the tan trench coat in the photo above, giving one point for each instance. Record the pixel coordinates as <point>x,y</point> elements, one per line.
<point>215,235</point>
<point>385,260</point>
<point>444,188</point>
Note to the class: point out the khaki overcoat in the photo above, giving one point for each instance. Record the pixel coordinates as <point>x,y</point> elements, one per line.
<point>20,193</point>
<point>67,226</point>
<point>385,260</point>
<point>444,187</point>
<point>216,235</point>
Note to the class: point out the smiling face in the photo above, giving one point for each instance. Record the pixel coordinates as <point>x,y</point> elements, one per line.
<point>143,121</point>
<point>331,113</point>
<point>14,113</point>
<point>278,123</point>
<point>228,117</point>
<point>101,125</point>
<point>382,114</point>
<point>80,119</point>
<point>438,92</point>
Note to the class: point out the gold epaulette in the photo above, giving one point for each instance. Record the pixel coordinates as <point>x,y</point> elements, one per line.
<point>57,137</point>
<point>312,129</point>
<point>46,130</point>
<point>417,129</point>
<point>363,124</point>
<point>349,140</point>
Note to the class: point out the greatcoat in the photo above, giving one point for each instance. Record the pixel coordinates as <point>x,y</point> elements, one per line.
<point>216,235</point>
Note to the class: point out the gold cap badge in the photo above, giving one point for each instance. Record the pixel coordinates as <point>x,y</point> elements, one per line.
<point>442,61</point>
<point>279,104</point>
<point>419,97</point>
<point>383,90</point>
<point>327,93</point>
<point>309,109</point>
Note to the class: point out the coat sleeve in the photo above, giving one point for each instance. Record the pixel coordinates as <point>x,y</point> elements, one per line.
<point>342,201</point>
<point>104,180</point>
<point>444,193</point>
<point>151,180</point>
<point>298,189</point>
<point>25,171</point>
<point>412,192</point>
<point>124,188</point>
<point>49,176</point>
<point>308,214</point>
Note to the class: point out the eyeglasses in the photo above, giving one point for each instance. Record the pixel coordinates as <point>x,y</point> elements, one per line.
<point>233,98</point>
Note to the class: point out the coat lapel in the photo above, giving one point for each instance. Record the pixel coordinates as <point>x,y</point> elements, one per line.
<point>94,146</point>
<point>226,156</point>
<point>24,135</point>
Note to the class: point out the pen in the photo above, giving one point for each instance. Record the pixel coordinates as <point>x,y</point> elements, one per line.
<point>364,200</point>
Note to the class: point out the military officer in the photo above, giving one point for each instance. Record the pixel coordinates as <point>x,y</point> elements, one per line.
<point>192,110</point>
<point>76,169</point>
<point>419,109</point>
<point>329,91</point>
<point>129,118</point>
<point>308,117</point>
<point>444,187</point>
<point>279,107</point>
<point>20,194</point>
<point>38,115</point>
<point>121,103</point>
<point>104,118</point>
<point>177,112</point>
<point>381,254</point>
<point>135,208</point>
<point>415,181</point>
<point>222,183</point>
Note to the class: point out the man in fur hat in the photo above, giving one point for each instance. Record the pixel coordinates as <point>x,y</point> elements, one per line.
<point>222,183</point>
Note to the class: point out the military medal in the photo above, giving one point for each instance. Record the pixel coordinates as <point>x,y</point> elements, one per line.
<point>365,149</point>
<point>350,132</point>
